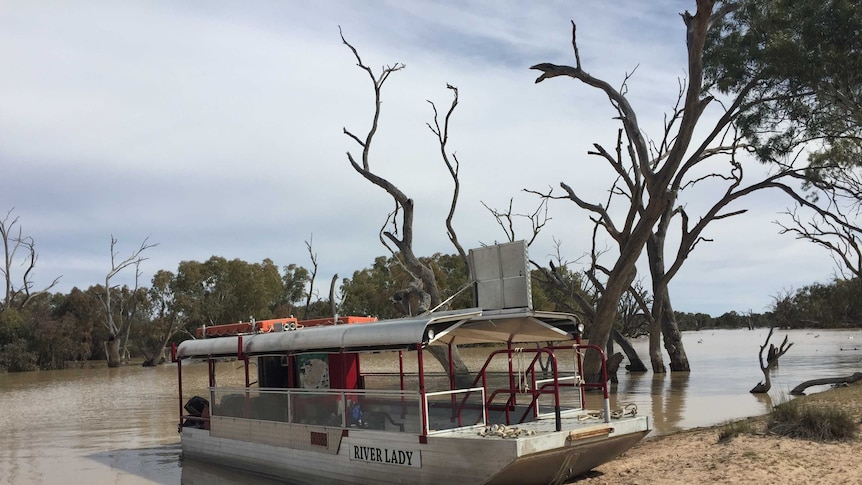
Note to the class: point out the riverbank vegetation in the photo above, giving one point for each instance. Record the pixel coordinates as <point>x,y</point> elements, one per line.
<point>59,330</point>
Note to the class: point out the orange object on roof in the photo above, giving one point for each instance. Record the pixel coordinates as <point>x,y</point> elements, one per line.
<point>263,326</point>
<point>341,321</point>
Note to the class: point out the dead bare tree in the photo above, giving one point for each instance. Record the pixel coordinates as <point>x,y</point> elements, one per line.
<point>442,134</point>
<point>767,365</point>
<point>398,226</point>
<point>312,276</point>
<point>649,178</point>
<point>333,306</point>
<point>838,234</point>
<point>18,296</point>
<point>119,331</point>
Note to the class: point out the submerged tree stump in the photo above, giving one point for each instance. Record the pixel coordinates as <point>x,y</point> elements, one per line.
<point>764,386</point>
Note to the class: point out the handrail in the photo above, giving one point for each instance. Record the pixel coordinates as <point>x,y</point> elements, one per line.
<point>604,383</point>
<point>530,369</point>
<point>344,395</point>
<point>554,382</point>
<point>452,393</point>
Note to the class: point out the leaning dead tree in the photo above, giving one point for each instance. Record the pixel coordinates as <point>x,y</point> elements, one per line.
<point>770,362</point>
<point>18,295</point>
<point>649,177</point>
<point>650,181</point>
<point>396,233</point>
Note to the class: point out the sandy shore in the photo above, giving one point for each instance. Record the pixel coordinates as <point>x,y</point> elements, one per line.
<point>696,456</point>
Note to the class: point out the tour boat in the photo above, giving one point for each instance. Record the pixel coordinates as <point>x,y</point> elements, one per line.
<point>307,413</point>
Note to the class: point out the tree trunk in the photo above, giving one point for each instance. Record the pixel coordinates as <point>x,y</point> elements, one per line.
<point>463,378</point>
<point>112,350</point>
<point>655,255</point>
<point>606,311</point>
<point>673,339</point>
<point>635,362</point>
<point>764,386</point>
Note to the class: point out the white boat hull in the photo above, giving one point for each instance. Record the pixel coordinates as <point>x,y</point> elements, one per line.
<point>301,454</point>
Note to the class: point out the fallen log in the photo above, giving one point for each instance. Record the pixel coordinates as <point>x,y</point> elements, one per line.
<point>800,389</point>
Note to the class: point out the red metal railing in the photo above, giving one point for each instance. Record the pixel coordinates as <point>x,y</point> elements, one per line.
<point>552,388</point>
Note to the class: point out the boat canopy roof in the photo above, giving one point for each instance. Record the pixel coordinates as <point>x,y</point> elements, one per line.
<point>457,326</point>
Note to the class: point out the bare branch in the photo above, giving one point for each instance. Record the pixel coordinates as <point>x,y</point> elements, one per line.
<point>11,244</point>
<point>442,139</point>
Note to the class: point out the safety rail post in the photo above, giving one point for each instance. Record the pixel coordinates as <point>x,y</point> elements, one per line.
<point>211,371</point>
<point>533,385</point>
<point>452,382</point>
<point>179,384</point>
<point>604,383</point>
<point>511,379</point>
<point>556,373</point>
<point>401,378</point>
<point>344,411</point>
<point>576,349</point>
<point>422,398</point>
<point>536,393</point>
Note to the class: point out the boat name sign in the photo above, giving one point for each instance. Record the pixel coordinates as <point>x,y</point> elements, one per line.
<point>388,456</point>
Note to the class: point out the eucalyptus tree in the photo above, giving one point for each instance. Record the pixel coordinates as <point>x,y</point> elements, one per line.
<point>295,281</point>
<point>166,320</point>
<point>650,176</point>
<point>799,65</point>
<point>222,291</point>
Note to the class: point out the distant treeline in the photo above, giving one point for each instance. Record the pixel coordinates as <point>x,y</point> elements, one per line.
<point>60,330</point>
<point>834,305</point>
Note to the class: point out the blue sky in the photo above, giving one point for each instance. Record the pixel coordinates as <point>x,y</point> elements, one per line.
<point>215,128</point>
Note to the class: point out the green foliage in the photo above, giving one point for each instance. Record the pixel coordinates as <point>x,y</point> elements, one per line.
<point>730,319</point>
<point>295,281</point>
<point>44,335</point>
<point>220,291</point>
<point>11,326</point>
<point>56,330</point>
<point>15,356</point>
<point>836,305</point>
<point>370,291</point>
<point>451,274</point>
<point>819,422</point>
<point>694,321</point>
<point>802,62</point>
<point>550,296</point>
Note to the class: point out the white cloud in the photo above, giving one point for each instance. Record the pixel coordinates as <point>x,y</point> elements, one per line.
<point>214,128</point>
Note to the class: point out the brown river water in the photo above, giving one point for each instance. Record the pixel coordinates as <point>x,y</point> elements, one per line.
<point>119,426</point>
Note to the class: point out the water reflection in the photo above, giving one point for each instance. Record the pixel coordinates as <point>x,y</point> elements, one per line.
<point>668,401</point>
<point>119,425</point>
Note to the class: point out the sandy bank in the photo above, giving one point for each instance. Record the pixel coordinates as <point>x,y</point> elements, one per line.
<point>696,456</point>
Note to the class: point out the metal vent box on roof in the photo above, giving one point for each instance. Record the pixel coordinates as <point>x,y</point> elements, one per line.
<point>502,276</point>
